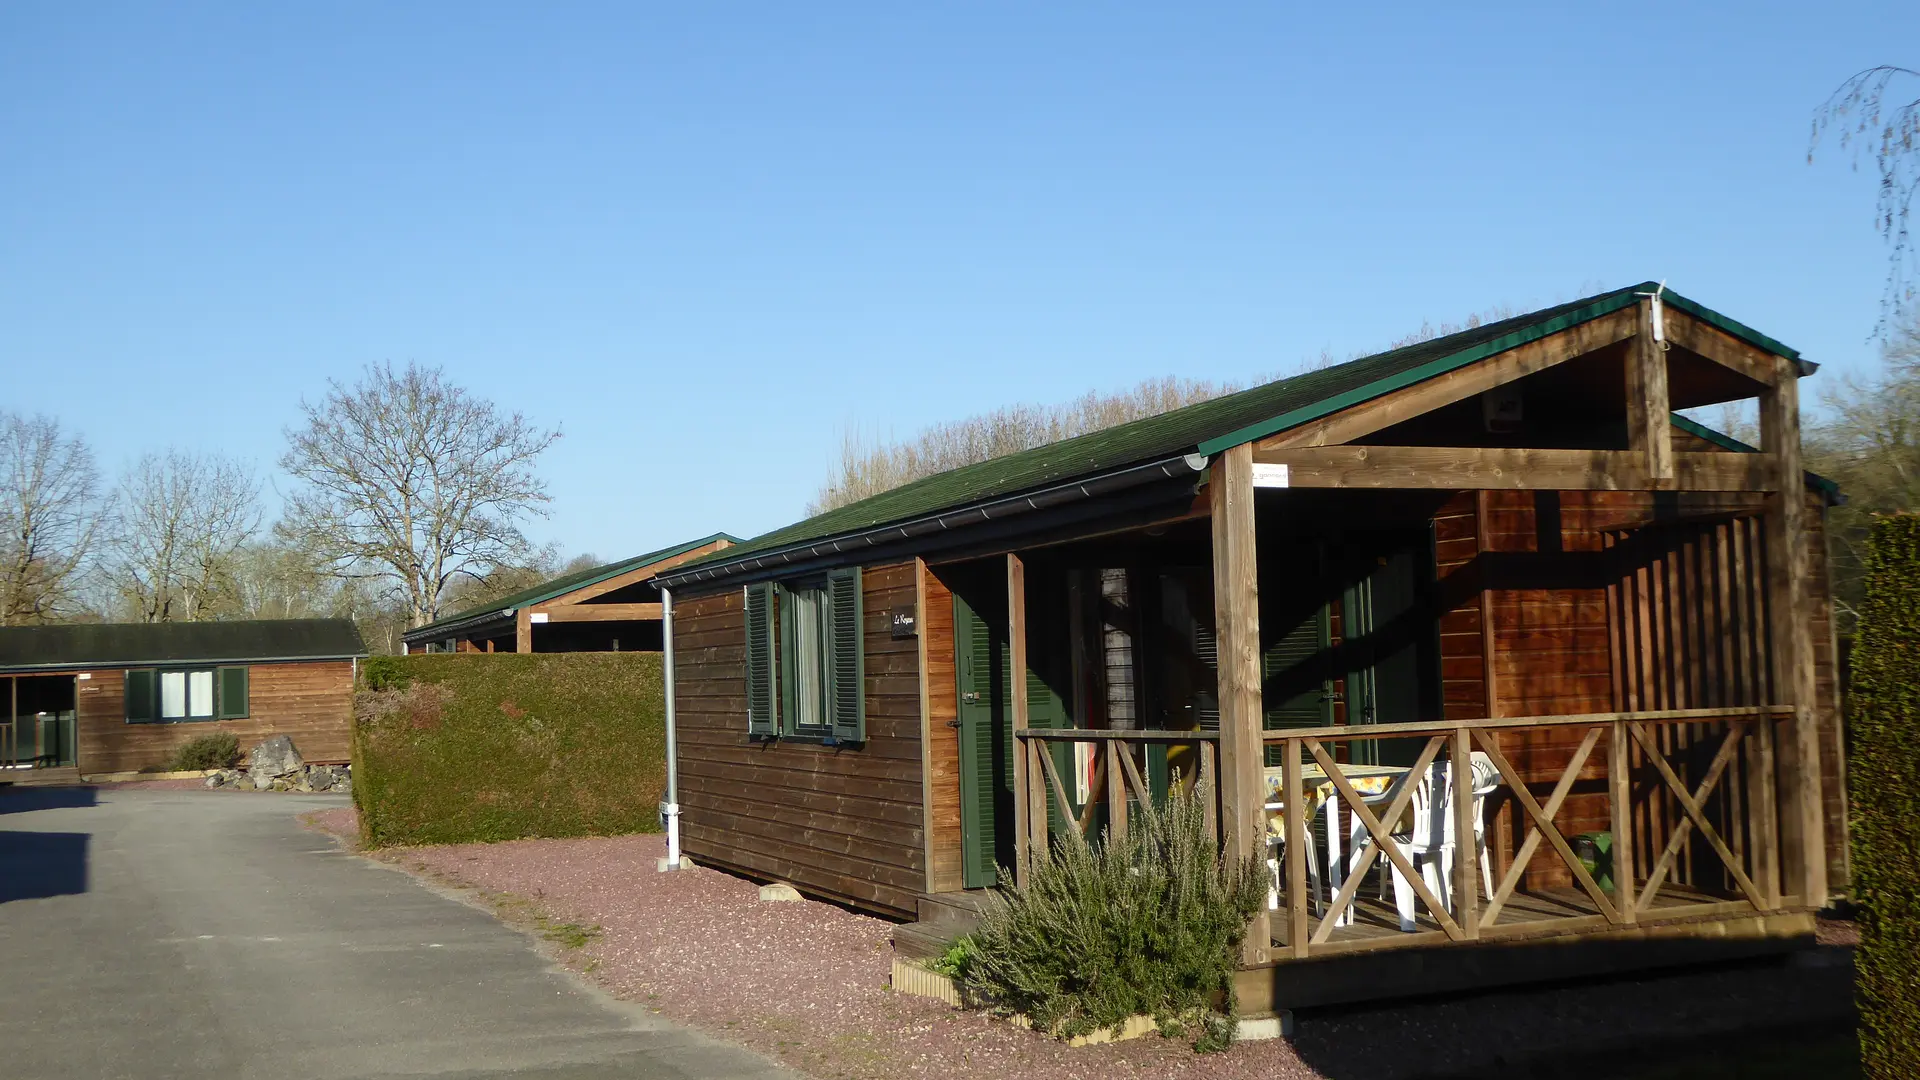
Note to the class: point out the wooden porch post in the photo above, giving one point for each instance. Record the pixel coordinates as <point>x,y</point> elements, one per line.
<point>1649,421</point>
<point>1236,611</point>
<point>1792,631</point>
<point>523,631</point>
<point>1024,775</point>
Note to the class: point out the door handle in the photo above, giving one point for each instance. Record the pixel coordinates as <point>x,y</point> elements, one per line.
<point>954,724</point>
<point>971,695</point>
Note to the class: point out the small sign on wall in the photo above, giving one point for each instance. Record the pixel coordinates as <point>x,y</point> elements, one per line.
<point>1269,476</point>
<point>904,622</point>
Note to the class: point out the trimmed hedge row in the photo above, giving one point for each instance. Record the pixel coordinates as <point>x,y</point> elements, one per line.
<point>454,749</point>
<point>1885,780</point>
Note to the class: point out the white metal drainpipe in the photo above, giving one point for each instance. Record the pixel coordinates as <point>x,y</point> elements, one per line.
<point>670,809</point>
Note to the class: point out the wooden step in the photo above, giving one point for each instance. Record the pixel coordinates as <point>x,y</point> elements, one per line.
<point>965,907</point>
<point>920,941</point>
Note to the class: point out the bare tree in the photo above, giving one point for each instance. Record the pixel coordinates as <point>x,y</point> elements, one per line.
<point>271,580</point>
<point>49,512</point>
<point>1871,120</point>
<point>868,465</point>
<point>181,518</point>
<point>1869,442</point>
<point>412,482</point>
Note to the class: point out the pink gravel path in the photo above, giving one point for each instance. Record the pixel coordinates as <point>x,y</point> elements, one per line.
<point>806,983</point>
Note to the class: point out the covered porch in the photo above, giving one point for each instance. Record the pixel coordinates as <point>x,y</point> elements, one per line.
<point>1611,621</point>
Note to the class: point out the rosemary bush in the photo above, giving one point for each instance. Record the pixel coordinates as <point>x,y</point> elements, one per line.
<point>215,750</point>
<point>1150,923</point>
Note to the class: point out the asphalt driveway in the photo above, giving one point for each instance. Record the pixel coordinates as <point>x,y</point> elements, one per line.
<point>149,934</point>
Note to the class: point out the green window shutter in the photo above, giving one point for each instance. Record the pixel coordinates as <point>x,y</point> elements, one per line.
<point>1295,689</point>
<point>761,719</point>
<point>846,658</point>
<point>139,689</point>
<point>230,693</point>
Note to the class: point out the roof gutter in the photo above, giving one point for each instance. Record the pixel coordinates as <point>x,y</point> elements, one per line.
<point>995,510</point>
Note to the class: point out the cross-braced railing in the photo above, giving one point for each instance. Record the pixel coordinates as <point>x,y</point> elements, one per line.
<point>1688,800</point>
<point>1661,783</point>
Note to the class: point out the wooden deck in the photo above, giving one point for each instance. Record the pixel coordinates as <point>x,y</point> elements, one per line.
<point>1535,914</point>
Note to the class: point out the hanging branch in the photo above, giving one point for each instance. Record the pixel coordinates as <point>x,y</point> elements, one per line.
<point>1868,118</point>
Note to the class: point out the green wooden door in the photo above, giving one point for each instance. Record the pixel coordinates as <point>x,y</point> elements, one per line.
<point>986,751</point>
<point>1394,677</point>
<point>1296,687</point>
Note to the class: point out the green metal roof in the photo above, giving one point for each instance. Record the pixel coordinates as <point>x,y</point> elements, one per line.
<point>1209,427</point>
<point>77,645</point>
<point>562,585</point>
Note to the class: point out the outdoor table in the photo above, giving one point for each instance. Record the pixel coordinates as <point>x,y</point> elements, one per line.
<point>1373,783</point>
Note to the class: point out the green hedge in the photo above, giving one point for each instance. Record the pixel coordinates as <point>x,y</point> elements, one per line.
<point>453,749</point>
<point>1885,779</point>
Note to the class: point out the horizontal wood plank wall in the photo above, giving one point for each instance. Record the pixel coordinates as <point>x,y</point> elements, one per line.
<point>943,756</point>
<point>1463,658</point>
<point>840,822</point>
<point>311,702</point>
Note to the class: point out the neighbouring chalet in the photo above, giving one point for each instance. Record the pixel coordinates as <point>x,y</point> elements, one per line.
<point>611,608</point>
<point>1500,547</point>
<point>95,698</point>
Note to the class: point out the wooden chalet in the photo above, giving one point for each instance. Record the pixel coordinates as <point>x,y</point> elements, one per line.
<point>610,608</point>
<point>1500,547</point>
<point>94,698</point>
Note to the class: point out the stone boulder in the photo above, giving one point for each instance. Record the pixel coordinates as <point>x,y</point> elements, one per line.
<point>272,760</point>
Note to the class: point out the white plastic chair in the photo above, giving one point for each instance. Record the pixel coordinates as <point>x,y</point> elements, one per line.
<point>1430,844</point>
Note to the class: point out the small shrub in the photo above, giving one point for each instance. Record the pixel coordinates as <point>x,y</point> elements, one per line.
<point>956,961</point>
<point>1884,769</point>
<point>214,750</point>
<point>1148,924</point>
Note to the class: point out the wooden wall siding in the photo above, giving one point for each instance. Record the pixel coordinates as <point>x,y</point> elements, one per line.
<point>312,702</point>
<point>945,873</point>
<point>1463,654</point>
<point>839,822</point>
<point>1548,644</point>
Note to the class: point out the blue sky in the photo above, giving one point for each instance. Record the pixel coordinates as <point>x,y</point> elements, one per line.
<point>704,239</point>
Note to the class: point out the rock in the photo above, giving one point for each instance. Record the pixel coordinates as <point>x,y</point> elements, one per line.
<point>272,759</point>
<point>214,780</point>
<point>319,778</point>
<point>242,782</point>
<point>778,892</point>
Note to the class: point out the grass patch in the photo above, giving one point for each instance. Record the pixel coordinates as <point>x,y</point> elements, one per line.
<point>568,935</point>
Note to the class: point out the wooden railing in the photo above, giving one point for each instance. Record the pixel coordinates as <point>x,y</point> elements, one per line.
<point>1691,799</point>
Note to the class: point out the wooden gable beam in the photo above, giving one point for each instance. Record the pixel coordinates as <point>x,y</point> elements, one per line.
<point>1709,341</point>
<point>600,612</point>
<point>1649,407</point>
<point>1518,362</point>
<point>1471,469</point>
<point>630,577</point>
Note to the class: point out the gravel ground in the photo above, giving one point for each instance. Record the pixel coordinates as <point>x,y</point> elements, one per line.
<point>806,983</point>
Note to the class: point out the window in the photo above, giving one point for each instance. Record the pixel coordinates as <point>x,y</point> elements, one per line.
<point>805,658</point>
<point>180,695</point>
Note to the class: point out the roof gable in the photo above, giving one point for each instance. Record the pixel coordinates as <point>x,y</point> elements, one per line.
<point>564,584</point>
<point>1209,427</point>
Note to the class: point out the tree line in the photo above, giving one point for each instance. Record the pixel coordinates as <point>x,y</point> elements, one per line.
<point>407,499</point>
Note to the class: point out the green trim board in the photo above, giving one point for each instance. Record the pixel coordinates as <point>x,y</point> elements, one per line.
<point>1728,442</point>
<point>560,586</point>
<point>1204,428</point>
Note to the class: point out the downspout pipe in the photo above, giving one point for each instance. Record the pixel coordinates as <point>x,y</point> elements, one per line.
<point>670,809</point>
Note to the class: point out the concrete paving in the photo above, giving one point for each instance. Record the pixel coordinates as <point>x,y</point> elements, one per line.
<point>149,934</point>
